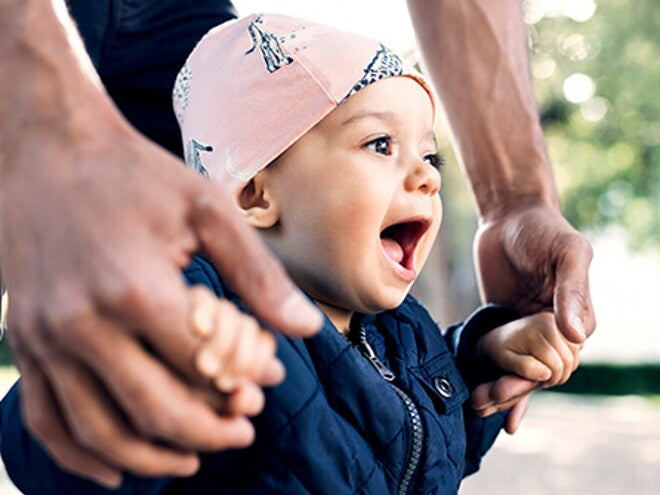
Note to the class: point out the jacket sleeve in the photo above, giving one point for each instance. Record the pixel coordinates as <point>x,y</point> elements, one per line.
<point>32,469</point>
<point>462,340</point>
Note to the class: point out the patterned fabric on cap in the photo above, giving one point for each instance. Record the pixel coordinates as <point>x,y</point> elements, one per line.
<point>254,86</point>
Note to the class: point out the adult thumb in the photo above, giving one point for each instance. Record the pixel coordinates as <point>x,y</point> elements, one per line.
<point>251,269</point>
<point>572,299</point>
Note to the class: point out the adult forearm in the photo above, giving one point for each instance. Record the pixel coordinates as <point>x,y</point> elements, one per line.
<point>476,54</point>
<point>47,82</point>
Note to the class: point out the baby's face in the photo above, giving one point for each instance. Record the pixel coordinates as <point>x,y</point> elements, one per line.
<point>358,199</point>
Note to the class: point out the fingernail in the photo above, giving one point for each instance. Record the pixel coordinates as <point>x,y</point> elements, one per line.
<point>274,374</point>
<point>202,322</point>
<point>576,323</point>
<point>482,413</point>
<point>207,362</point>
<point>484,407</point>
<point>109,479</point>
<point>546,374</point>
<point>300,313</point>
<point>187,467</point>
<point>225,384</point>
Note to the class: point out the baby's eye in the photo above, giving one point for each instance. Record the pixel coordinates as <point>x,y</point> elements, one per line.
<point>381,145</point>
<point>435,160</point>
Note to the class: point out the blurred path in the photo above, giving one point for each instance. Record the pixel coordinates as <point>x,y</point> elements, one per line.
<point>576,445</point>
<point>572,445</point>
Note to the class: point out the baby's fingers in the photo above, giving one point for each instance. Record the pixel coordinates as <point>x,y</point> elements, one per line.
<point>204,311</point>
<point>247,399</point>
<point>251,359</point>
<point>569,353</point>
<point>525,366</point>
<point>220,342</point>
<point>237,350</point>
<point>561,356</point>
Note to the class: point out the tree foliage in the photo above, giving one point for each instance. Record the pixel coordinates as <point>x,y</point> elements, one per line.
<point>596,71</point>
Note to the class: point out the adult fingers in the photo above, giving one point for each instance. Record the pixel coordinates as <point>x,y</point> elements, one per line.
<point>491,397</point>
<point>250,268</point>
<point>156,400</point>
<point>96,425</point>
<point>44,420</point>
<point>151,303</point>
<point>517,414</point>
<point>572,299</point>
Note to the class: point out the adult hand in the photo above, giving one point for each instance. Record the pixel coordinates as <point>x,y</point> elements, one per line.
<point>95,224</point>
<point>532,258</point>
<point>508,392</point>
<point>92,242</point>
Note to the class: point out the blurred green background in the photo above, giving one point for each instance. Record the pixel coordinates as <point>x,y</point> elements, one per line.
<point>598,84</point>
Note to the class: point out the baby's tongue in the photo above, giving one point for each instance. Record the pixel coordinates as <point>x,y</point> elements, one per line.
<point>393,249</point>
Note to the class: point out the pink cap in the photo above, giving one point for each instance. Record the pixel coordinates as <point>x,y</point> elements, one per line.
<point>253,87</point>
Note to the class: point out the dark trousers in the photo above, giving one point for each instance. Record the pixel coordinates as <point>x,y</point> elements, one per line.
<point>139,46</point>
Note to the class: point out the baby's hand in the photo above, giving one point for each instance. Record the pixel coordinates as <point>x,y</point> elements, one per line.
<point>532,347</point>
<point>236,353</point>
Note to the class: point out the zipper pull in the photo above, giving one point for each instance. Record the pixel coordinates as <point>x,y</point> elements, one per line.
<point>368,352</point>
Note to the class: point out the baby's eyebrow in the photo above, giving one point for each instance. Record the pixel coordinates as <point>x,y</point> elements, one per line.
<point>430,136</point>
<point>385,116</point>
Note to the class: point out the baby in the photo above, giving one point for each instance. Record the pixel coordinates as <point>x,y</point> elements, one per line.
<point>326,140</point>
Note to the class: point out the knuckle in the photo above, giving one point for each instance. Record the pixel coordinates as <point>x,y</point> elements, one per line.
<point>66,462</point>
<point>585,246</point>
<point>528,368</point>
<point>161,423</point>
<point>269,342</point>
<point>98,436</point>
<point>261,278</point>
<point>267,275</point>
<point>227,310</point>
<point>39,423</point>
<point>21,314</point>
<point>499,394</point>
<point>65,319</point>
<point>125,291</point>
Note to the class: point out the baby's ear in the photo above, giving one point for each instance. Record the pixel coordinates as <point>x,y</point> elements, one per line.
<point>256,203</point>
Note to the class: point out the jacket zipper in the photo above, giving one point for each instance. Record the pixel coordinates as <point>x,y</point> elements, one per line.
<point>415,451</point>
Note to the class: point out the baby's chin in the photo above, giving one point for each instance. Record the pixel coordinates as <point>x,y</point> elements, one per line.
<point>388,303</point>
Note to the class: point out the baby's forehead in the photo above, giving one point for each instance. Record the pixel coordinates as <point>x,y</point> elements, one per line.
<point>397,102</point>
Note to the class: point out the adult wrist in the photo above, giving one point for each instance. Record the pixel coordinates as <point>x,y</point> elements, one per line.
<point>506,202</point>
<point>508,175</point>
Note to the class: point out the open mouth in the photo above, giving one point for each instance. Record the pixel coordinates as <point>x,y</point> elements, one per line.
<point>400,240</point>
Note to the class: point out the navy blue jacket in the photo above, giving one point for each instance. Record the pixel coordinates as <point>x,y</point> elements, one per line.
<point>383,413</point>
